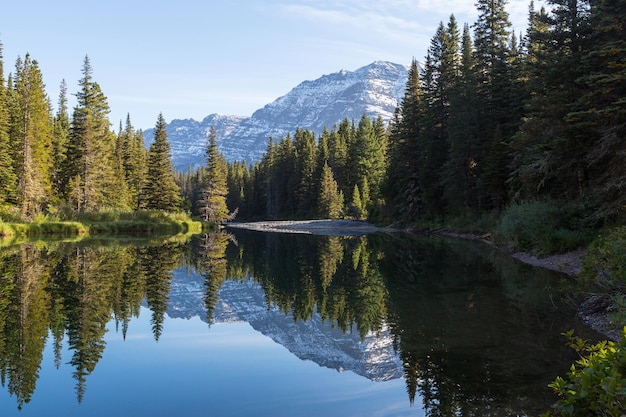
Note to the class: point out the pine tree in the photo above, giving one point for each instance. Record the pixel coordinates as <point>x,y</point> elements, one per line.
<point>330,201</point>
<point>402,190</point>
<point>213,202</point>
<point>133,161</point>
<point>367,157</point>
<point>459,171</point>
<point>338,153</point>
<point>160,191</point>
<point>94,182</point>
<point>305,167</point>
<point>549,151</point>
<point>494,93</point>
<point>441,77</point>
<point>356,205</point>
<point>237,179</point>
<point>8,179</point>
<point>32,137</point>
<point>601,109</point>
<point>61,132</point>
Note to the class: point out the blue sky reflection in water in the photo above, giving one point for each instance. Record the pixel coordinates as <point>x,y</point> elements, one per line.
<point>229,369</point>
<point>463,328</point>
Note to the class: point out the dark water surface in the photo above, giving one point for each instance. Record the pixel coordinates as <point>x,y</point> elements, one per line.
<point>265,324</point>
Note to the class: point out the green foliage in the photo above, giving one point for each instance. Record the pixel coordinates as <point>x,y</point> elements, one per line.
<point>6,230</point>
<point>212,203</point>
<point>596,383</point>
<point>92,168</point>
<point>160,190</point>
<point>470,222</point>
<point>618,313</point>
<point>110,221</point>
<point>605,262</point>
<point>9,213</point>
<point>542,227</point>
<point>330,200</point>
<point>299,178</point>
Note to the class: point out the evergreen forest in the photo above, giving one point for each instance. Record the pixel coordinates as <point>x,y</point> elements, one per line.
<point>521,135</point>
<point>61,165</point>
<point>492,123</point>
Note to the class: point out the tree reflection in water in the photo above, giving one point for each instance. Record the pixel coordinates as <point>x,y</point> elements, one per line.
<point>477,333</point>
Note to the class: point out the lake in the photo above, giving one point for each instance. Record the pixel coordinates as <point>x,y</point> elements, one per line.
<point>249,323</point>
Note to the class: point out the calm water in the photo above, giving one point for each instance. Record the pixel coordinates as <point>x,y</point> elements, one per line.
<point>263,324</point>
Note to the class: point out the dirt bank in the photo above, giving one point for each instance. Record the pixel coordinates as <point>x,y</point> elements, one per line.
<point>595,309</point>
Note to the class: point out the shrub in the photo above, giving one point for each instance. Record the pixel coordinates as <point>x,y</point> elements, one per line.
<point>596,383</point>
<point>10,214</point>
<point>542,227</point>
<point>605,262</point>
<point>6,230</point>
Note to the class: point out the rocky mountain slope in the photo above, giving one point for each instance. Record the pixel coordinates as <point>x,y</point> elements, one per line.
<point>375,90</point>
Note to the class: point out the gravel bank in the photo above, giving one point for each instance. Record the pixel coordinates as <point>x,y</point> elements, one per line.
<point>317,227</point>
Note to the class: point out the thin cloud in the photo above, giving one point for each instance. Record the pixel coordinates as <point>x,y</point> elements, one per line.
<point>394,19</point>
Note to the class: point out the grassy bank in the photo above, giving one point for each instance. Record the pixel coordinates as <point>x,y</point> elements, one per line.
<point>106,222</point>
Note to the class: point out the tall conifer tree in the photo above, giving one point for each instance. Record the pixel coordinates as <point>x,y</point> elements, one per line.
<point>60,139</point>
<point>442,70</point>
<point>402,190</point>
<point>32,137</point>
<point>213,202</point>
<point>497,120</point>
<point>459,172</point>
<point>94,180</point>
<point>549,150</point>
<point>160,190</point>
<point>601,109</point>
<point>330,201</point>
<point>8,179</point>
<point>133,161</point>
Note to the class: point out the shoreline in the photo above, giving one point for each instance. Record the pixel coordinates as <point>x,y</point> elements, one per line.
<point>315,227</point>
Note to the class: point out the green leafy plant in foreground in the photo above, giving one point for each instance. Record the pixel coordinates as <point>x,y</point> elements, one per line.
<point>596,383</point>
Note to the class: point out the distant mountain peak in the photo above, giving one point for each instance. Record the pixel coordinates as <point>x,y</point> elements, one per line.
<point>375,90</point>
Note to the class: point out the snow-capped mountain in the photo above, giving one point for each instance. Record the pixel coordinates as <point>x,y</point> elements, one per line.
<point>189,138</point>
<point>375,90</point>
<point>373,357</point>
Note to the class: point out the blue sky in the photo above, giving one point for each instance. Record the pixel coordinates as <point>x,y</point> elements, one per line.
<point>188,59</point>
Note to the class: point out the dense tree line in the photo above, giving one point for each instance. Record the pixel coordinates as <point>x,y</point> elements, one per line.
<point>338,174</point>
<point>489,119</point>
<point>57,163</point>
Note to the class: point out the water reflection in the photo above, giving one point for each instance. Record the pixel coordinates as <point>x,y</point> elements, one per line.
<point>477,334</point>
<point>471,332</point>
<point>73,290</point>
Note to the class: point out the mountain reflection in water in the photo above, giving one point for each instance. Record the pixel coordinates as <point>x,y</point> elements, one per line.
<point>469,330</point>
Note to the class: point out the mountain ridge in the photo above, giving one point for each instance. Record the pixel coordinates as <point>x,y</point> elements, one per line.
<point>375,89</point>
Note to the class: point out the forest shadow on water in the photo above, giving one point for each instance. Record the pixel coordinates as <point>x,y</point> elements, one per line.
<point>477,333</point>
<point>473,332</point>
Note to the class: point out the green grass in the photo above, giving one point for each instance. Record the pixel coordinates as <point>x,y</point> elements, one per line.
<point>104,222</point>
